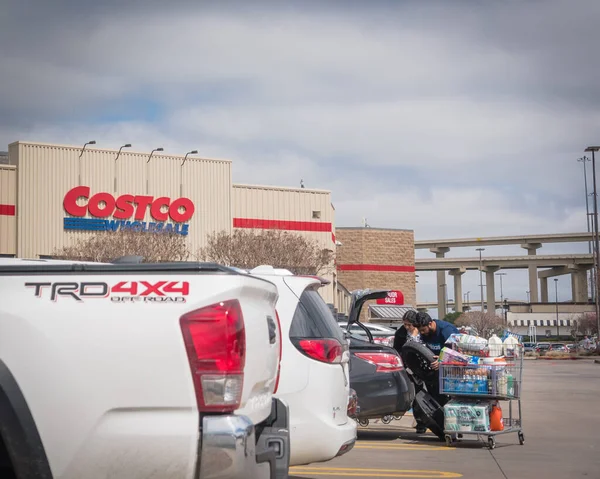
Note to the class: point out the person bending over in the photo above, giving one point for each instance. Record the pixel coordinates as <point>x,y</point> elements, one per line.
<point>434,333</point>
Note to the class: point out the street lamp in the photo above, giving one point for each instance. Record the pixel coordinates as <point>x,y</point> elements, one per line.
<point>584,160</point>
<point>593,150</point>
<point>93,142</point>
<point>501,292</point>
<point>193,152</point>
<point>556,299</point>
<point>481,276</point>
<point>528,293</point>
<point>147,167</point>
<point>126,145</point>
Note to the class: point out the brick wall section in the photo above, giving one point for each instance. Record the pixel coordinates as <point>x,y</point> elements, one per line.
<point>382,247</point>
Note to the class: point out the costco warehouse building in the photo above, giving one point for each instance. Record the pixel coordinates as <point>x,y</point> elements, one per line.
<point>52,195</point>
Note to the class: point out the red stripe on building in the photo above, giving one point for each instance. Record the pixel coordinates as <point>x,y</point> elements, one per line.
<point>376,267</point>
<point>281,225</point>
<point>7,210</point>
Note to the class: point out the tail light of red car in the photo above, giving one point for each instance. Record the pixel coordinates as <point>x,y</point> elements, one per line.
<point>385,362</point>
<point>215,341</point>
<point>325,350</point>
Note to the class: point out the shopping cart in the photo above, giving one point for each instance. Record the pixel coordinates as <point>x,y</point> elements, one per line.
<point>482,385</point>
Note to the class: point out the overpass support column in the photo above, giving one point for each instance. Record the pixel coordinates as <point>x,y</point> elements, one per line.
<point>533,287</point>
<point>490,288</point>
<point>441,282</point>
<point>579,286</point>
<point>458,294</point>
<point>544,289</point>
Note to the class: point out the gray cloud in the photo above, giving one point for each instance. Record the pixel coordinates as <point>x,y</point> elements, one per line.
<point>455,119</point>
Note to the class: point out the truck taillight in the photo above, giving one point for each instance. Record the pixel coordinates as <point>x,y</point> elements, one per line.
<point>215,341</point>
<point>280,352</point>
<point>385,362</point>
<point>324,350</point>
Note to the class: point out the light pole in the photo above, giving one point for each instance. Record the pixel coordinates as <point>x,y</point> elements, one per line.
<point>147,166</point>
<point>556,299</point>
<point>584,160</point>
<point>481,276</point>
<point>501,292</point>
<point>468,299</point>
<point>193,152</point>
<point>93,142</point>
<point>126,145</point>
<point>527,292</point>
<point>594,149</point>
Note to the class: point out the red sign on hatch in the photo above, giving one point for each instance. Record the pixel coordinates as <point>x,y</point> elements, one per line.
<point>393,297</point>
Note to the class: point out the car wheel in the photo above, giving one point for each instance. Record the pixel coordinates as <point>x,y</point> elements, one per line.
<point>418,358</point>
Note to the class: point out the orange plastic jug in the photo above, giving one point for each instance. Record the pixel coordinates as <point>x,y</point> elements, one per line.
<point>496,423</point>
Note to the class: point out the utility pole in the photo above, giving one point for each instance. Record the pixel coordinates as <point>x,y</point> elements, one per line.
<point>584,160</point>
<point>556,299</point>
<point>594,149</point>
<point>481,277</point>
<point>501,292</point>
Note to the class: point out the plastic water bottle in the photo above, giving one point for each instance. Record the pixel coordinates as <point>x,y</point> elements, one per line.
<point>476,383</point>
<point>511,385</point>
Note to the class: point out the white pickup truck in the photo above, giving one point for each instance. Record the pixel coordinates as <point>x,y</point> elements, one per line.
<point>139,371</point>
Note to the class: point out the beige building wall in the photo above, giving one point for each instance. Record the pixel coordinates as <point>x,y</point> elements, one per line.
<point>47,172</point>
<point>303,211</point>
<point>8,202</point>
<point>377,259</point>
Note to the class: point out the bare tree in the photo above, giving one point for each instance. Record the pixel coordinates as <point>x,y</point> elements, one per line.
<point>586,324</point>
<point>485,324</point>
<point>107,246</point>
<point>281,249</point>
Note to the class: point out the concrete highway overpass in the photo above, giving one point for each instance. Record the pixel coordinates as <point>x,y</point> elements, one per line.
<point>504,262</point>
<point>576,265</point>
<point>465,304</point>
<point>505,240</point>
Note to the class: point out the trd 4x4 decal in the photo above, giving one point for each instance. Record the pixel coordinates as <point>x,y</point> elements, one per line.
<point>121,292</point>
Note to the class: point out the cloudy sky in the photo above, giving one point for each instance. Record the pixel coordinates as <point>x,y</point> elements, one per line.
<point>452,118</point>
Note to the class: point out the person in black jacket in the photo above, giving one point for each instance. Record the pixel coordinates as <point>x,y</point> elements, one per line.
<point>408,332</point>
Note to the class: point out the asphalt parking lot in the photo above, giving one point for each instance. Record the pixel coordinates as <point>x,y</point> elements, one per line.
<point>561,420</point>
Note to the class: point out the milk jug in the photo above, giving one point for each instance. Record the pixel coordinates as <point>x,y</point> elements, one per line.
<point>510,346</point>
<point>495,346</point>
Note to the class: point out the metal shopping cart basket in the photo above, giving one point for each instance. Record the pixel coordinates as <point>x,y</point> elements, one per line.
<point>475,389</point>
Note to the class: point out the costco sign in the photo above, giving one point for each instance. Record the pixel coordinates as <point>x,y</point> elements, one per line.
<point>393,297</point>
<point>126,212</point>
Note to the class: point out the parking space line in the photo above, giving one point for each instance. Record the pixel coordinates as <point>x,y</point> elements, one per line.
<point>355,472</point>
<point>405,447</point>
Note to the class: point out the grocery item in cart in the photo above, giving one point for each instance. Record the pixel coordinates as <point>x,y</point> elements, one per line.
<point>468,344</point>
<point>467,416</point>
<point>510,346</point>
<point>448,356</point>
<point>495,346</point>
<point>496,422</point>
